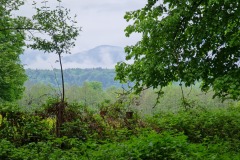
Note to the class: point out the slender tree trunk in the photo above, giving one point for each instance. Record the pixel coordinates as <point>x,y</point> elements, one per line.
<point>60,117</point>
<point>63,87</point>
<point>60,107</point>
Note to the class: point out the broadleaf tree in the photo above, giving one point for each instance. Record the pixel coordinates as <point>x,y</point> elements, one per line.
<point>12,74</point>
<point>185,41</point>
<point>61,32</point>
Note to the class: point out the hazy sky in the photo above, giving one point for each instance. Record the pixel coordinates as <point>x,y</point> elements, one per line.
<point>102,21</point>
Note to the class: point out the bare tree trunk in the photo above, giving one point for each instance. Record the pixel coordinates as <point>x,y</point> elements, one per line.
<point>63,87</point>
<point>60,107</point>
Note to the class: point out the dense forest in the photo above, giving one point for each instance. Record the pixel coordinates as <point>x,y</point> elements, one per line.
<point>75,76</point>
<point>182,104</point>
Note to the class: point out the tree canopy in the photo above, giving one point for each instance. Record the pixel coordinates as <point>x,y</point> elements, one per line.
<point>186,41</point>
<point>12,75</point>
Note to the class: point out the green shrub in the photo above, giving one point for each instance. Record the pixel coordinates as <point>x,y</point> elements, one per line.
<point>200,124</point>
<point>22,128</point>
<point>147,146</point>
<point>5,148</point>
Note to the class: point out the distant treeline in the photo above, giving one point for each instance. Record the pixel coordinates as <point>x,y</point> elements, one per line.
<point>73,76</point>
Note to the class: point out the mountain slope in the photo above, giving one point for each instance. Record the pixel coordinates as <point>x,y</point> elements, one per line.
<point>104,56</point>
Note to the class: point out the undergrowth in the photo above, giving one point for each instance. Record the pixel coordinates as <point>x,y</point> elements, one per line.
<point>191,134</point>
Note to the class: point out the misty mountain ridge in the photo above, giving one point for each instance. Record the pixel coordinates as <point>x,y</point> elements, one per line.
<point>104,56</point>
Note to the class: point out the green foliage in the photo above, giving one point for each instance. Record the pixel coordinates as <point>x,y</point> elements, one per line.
<point>21,128</point>
<point>186,41</point>
<point>194,134</point>
<point>58,26</point>
<point>200,125</point>
<point>171,100</point>
<point>73,76</point>
<point>5,148</point>
<point>43,150</point>
<point>90,94</point>
<point>146,146</point>
<point>12,75</point>
<point>35,96</point>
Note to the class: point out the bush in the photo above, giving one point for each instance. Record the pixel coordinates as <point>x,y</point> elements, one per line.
<point>147,146</point>
<point>199,125</point>
<point>22,128</point>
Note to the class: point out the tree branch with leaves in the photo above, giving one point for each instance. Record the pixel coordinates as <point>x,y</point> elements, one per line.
<point>185,41</point>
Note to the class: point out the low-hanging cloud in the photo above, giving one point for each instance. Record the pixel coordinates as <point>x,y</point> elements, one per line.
<point>102,22</point>
<point>104,56</point>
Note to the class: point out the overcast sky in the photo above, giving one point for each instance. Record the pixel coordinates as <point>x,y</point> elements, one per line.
<point>102,21</point>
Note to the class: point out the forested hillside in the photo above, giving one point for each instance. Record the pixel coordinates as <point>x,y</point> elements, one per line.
<point>73,76</point>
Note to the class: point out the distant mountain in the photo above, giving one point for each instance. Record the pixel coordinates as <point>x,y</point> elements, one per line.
<point>104,56</point>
